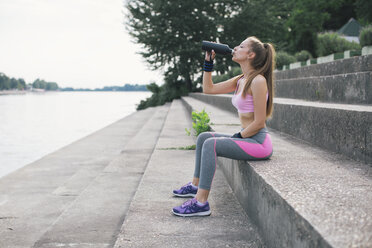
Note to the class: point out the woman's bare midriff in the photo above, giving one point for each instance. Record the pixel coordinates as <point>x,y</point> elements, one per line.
<point>246,119</point>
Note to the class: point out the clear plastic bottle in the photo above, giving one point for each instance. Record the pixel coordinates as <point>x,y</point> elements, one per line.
<point>217,47</point>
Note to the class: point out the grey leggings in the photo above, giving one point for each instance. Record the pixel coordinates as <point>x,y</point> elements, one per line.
<point>209,145</point>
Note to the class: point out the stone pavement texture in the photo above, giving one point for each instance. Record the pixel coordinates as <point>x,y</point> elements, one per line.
<point>150,223</point>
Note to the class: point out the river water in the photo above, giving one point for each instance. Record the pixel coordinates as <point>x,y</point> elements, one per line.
<point>36,124</point>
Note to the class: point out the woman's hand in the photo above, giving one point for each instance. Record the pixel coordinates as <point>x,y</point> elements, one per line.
<point>237,135</point>
<point>209,56</point>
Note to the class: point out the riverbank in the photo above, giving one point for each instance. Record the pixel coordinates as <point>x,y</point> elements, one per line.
<point>12,92</point>
<point>24,92</point>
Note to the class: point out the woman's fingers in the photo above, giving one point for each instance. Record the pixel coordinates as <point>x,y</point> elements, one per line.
<point>210,55</point>
<point>213,54</point>
<point>207,56</point>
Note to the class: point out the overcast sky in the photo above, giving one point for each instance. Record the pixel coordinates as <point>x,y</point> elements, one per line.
<point>76,43</point>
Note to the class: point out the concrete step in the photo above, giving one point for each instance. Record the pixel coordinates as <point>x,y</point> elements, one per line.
<point>355,88</point>
<point>341,128</point>
<point>337,67</point>
<point>303,196</point>
<point>150,223</point>
<point>33,198</point>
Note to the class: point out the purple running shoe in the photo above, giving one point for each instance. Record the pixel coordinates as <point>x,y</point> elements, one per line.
<point>186,191</point>
<point>192,208</point>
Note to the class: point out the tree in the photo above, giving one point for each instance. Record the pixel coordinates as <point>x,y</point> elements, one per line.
<point>21,84</point>
<point>13,83</point>
<point>339,14</point>
<point>7,83</point>
<point>305,21</point>
<point>364,11</point>
<point>171,33</point>
<point>3,82</point>
<point>51,86</point>
<point>42,84</point>
<point>264,19</point>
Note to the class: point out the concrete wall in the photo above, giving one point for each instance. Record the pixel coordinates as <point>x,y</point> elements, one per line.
<point>342,88</point>
<point>343,66</point>
<point>279,224</point>
<point>343,131</point>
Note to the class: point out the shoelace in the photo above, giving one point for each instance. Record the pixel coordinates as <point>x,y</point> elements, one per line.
<point>186,188</point>
<point>189,203</point>
<point>187,184</point>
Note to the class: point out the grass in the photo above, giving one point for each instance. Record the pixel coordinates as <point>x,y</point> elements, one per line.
<point>192,147</point>
<point>225,124</point>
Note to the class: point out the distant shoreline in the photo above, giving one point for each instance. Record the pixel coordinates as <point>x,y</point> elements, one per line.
<point>24,92</point>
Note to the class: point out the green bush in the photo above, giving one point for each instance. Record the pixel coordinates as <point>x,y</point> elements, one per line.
<point>165,93</point>
<point>235,71</point>
<point>329,43</point>
<point>303,55</point>
<point>200,122</point>
<point>284,58</point>
<point>365,36</point>
<point>220,78</point>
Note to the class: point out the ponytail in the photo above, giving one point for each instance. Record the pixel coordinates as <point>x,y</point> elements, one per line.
<point>268,73</point>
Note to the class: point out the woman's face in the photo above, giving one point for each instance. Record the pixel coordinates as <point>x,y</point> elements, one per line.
<point>242,52</point>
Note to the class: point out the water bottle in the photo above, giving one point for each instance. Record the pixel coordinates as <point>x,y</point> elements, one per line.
<point>217,47</point>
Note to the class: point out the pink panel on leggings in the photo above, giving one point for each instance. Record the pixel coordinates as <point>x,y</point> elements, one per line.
<point>256,150</point>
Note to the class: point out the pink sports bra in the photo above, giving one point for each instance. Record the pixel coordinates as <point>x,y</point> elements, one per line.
<point>243,105</point>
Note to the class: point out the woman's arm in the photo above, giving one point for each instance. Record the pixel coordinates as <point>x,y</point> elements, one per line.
<point>219,88</point>
<point>259,90</point>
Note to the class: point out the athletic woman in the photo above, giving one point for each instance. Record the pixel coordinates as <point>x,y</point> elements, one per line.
<point>253,99</point>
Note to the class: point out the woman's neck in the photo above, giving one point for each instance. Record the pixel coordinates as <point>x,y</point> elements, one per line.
<point>246,69</point>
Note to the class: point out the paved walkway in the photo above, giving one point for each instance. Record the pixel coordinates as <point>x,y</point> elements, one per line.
<point>150,223</point>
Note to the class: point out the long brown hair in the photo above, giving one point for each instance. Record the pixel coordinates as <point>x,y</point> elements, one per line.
<point>263,64</point>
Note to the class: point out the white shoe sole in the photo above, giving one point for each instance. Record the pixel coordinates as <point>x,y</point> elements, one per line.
<point>206,213</point>
<point>188,195</point>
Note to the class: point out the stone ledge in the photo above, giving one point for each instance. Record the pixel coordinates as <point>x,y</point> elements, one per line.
<point>367,50</point>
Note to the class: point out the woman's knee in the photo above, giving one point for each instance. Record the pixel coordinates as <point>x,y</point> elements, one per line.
<point>209,146</point>
<point>204,136</point>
